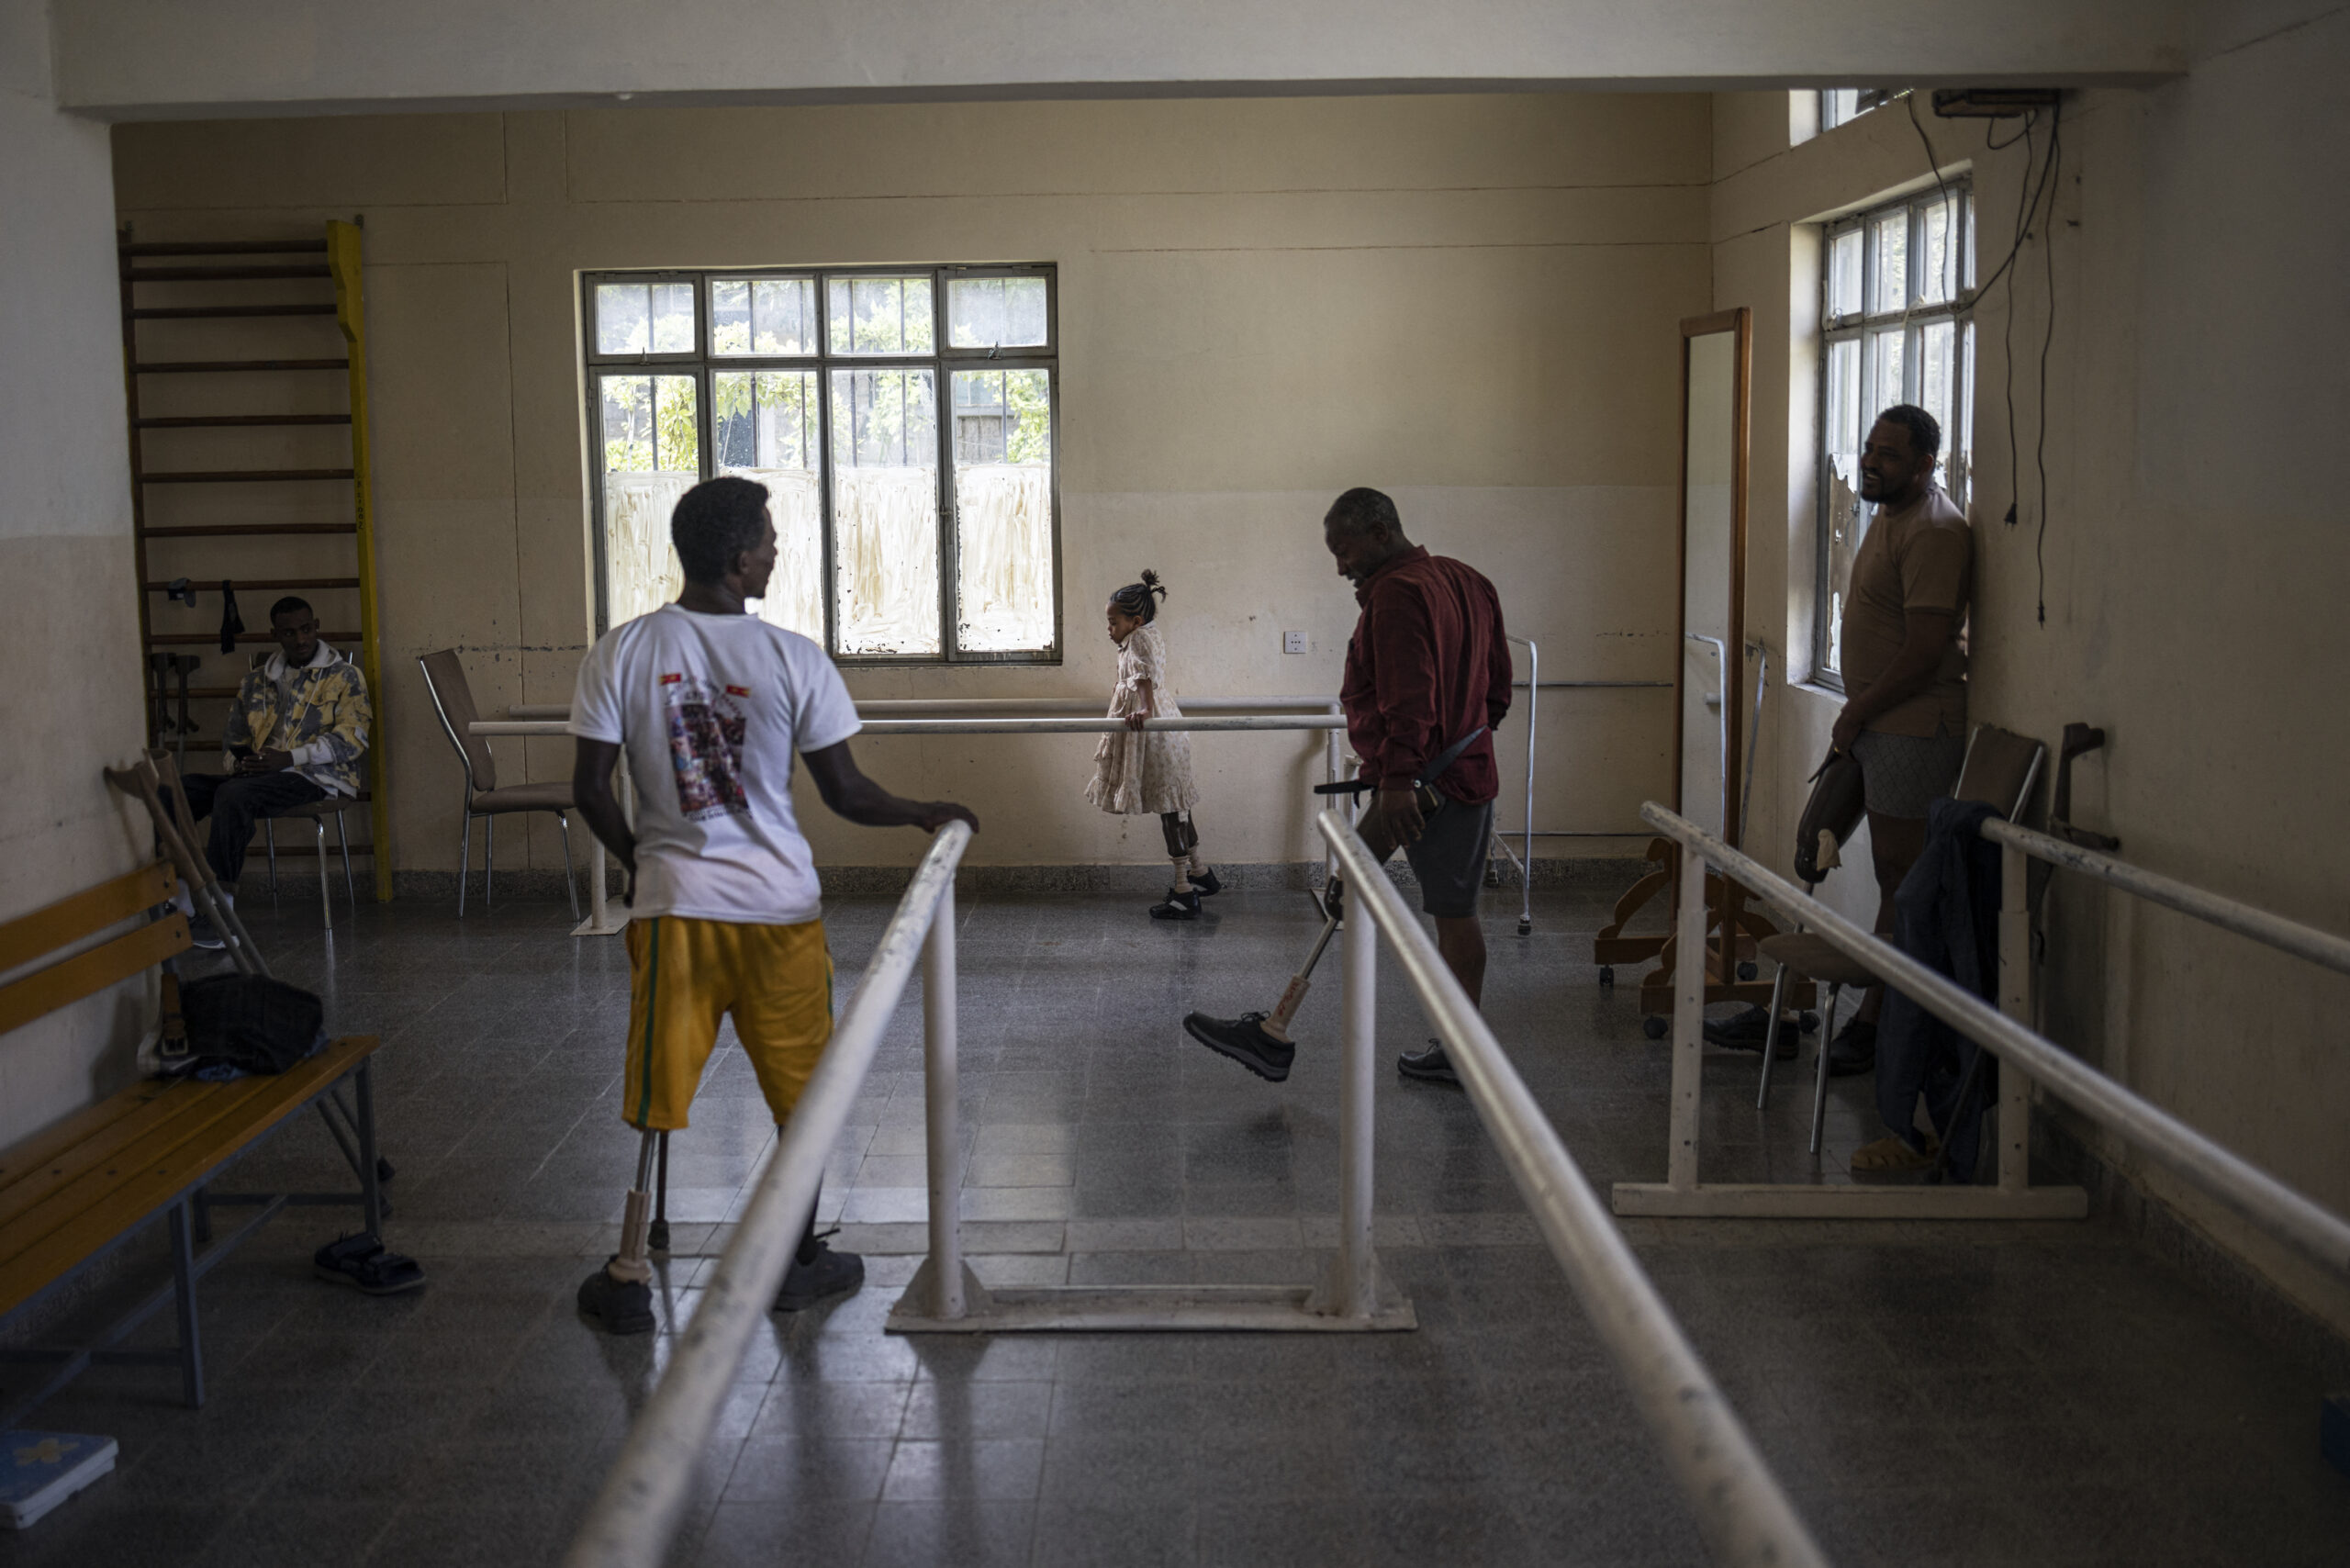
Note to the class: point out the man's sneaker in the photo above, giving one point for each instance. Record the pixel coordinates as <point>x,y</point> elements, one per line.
<point>1853,1051</point>
<point>1430,1066</point>
<point>1179,906</point>
<point>1747,1031</point>
<point>617,1306</point>
<point>201,932</point>
<point>1204,882</point>
<point>828,1274</point>
<point>1244,1041</point>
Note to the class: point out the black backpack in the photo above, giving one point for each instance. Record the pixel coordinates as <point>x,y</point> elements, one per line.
<point>250,1022</point>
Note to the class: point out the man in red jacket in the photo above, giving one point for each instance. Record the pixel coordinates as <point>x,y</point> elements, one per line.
<point>1427,666</point>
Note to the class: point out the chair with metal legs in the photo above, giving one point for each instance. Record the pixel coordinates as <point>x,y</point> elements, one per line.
<point>318,812</point>
<point>2000,769</point>
<point>453,699</point>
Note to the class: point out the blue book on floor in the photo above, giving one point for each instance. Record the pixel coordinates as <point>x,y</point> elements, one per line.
<point>40,1470</point>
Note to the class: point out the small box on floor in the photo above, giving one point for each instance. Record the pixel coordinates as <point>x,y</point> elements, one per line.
<point>40,1470</point>
<point>2333,1431</point>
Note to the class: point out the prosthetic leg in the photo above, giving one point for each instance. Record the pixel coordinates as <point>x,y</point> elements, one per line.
<point>1260,1041</point>
<point>619,1297</point>
<point>1193,880</point>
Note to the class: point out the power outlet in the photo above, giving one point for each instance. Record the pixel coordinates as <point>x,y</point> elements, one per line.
<point>1292,642</point>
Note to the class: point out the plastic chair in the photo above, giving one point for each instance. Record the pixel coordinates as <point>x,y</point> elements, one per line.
<point>2000,769</point>
<point>453,699</point>
<point>318,812</point>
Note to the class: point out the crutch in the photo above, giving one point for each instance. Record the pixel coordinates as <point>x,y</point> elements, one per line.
<point>145,781</point>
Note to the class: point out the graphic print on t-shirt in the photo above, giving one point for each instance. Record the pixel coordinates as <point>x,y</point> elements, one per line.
<point>706,745</point>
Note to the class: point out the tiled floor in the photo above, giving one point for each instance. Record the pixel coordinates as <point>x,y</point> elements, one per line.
<point>1931,1395</point>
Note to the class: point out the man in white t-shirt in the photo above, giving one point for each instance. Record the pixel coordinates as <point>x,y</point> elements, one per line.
<point>713,705</point>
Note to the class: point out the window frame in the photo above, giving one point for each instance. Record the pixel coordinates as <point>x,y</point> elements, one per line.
<point>1864,99</point>
<point>704,362</point>
<point>1862,327</point>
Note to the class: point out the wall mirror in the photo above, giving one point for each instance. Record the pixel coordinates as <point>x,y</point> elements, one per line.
<point>1717,355</point>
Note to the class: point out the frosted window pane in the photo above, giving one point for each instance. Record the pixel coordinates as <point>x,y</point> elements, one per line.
<point>1937,278</point>
<point>879,315</point>
<point>673,318</point>
<point>763,427</point>
<point>651,458</point>
<point>1890,235</point>
<point>627,405</point>
<point>677,436</point>
<point>730,316</point>
<point>1937,370</point>
<point>1844,273</point>
<point>990,312</point>
<point>762,315</point>
<point>1003,511</point>
<point>885,511</point>
<point>1885,373</point>
<point>1960,464</point>
<point>623,318</point>
<point>1966,250</point>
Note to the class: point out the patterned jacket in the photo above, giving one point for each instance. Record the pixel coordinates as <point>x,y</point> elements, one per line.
<point>323,720</point>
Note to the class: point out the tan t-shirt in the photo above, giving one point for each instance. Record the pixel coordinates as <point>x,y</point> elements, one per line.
<point>1922,558</point>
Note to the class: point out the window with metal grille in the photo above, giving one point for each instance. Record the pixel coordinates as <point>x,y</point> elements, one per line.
<point>1839,106</point>
<point>1896,290</point>
<point>904,419</point>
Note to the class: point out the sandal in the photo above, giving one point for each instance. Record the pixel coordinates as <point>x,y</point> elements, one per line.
<point>1891,1159</point>
<point>361,1262</point>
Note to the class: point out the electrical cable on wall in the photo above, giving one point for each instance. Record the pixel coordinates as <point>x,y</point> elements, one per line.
<point>2048,336</point>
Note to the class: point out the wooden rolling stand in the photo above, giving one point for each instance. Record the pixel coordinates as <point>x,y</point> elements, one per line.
<point>1730,975</point>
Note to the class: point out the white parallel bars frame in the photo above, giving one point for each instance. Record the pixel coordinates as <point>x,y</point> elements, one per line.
<point>638,1509</point>
<point>2250,1192</point>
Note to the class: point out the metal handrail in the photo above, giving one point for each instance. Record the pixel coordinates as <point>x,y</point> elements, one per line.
<point>1741,1509</point>
<point>2321,947</point>
<point>638,1509</point>
<point>2253,1194</point>
<point>1006,726</point>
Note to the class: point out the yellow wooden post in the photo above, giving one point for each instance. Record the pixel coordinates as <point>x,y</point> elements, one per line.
<point>350,314</point>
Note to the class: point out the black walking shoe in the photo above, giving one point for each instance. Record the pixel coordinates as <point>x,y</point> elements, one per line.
<point>201,932</point>
<point>1205,882</point>
<point>1179,906</point>
<point>1244,1041</point>
<point>1853,1051</point>
<point>617,1306</point>
<point>1430,1066</point>
<point>829,1273</point>
<point>1747,1031</point>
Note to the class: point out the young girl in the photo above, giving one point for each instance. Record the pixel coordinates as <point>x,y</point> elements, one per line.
<point>1150,771</point>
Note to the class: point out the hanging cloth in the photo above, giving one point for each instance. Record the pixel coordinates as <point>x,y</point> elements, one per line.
<point>230,621</point>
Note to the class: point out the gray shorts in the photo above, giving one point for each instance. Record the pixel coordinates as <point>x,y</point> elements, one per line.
<point>1449,858</point>
<point>1901,774</point>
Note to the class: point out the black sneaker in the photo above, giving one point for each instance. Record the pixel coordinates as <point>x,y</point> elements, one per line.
<point>829,1273</point>
<point>1430,1066</point>
<point>1244,1041</point>
<point>1206,884</point>
<point>1179,906</point>
<point>1853,1051</point>
<point>202,932</point>
<point>617,1306</point>
<point>1747,1031</point>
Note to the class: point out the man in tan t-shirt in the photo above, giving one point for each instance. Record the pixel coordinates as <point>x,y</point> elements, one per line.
<point>1905,671</point>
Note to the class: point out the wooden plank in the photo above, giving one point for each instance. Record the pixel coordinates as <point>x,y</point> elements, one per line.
<point>224,247</point>
<point>223,529</point>
<point>226,274</point>
<point>192,313</point>
<point>209,422</point>
<point>69,920</point>
<point>226,366</point>
<point>243,475</point>
<point>145,1189</point>
<point>45,991</point>
<point>91,1121</point>
<point>73,1177</point>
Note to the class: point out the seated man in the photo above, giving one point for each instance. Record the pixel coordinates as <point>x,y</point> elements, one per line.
<point>294,734</point>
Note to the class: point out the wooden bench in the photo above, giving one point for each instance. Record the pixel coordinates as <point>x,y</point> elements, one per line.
<point>79,1189</point>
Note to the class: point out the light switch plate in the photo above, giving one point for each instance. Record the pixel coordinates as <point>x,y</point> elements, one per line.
<point>1292,642</point>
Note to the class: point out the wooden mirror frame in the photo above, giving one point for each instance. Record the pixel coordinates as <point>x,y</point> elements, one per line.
<point>1741,322</point>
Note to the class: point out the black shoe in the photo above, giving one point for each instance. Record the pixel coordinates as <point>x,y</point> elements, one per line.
<point>829,1273</point>
<point>617,1306</point>
<point>1747,1031</point>
<point>201,932</point>
<point>1244,1041</point>
<point>1853,1051</point>
<point>361,1262</point>
<point>1205,882</point>
<point>1179,906</point>
<point>1430,1066</point>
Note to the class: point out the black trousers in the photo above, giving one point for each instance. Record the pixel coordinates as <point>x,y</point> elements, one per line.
<point>235,805</point>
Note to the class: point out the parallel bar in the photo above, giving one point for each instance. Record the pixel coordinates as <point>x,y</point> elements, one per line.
<point>1036,706</point>
<point>637,1512</point>
<point>2253,1193</point>
<point>211,421</point>
<point>1358,1279</point>
<point>243,476</point>
<point>224,530</point>
<point>945,1145</point>
<point>213,586</point>
<point>193,312</point>
<point>1595,685</point>
<point>1688,1026</point>
<point>994,726</point>
<point>1743,1515</point>
<point>2287,935</point>
<point>231,366</point>
<point>197,638</point>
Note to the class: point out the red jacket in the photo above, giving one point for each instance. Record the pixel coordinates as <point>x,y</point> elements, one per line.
<point>1428,663</point>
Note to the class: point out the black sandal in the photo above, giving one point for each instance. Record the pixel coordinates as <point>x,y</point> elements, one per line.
<point>361,1262</point>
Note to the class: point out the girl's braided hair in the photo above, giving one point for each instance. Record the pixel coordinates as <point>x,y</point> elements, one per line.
<point>1141,599</point>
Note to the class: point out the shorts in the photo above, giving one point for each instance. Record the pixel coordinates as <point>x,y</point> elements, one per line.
<point>1901,775</point>
<point>686,974</point>
<point>1448,859</point>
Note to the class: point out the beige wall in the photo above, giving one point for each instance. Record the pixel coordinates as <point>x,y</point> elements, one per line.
<point>1467,301</point>
<point>2195,557</point>
<point>68,631</point>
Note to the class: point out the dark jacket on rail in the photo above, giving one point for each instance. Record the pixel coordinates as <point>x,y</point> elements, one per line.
<point>1946,915</point>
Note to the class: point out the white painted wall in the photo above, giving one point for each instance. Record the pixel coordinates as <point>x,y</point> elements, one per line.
<point>2196,566</point>
<point>187,58</point>
<point>70,702</point>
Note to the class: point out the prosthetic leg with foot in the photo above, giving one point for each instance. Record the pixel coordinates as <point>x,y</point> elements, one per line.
<point>618,1297</point>
<point>817,1271</point>
<point>1193,879</point>
<point>1260,1041</point>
